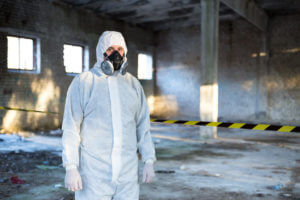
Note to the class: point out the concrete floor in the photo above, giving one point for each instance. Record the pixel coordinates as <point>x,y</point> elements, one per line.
<point>240,164</point>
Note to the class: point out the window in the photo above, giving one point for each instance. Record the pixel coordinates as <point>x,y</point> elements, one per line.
<point>145,65</point>
<point>75,59</point>
<point>22,54</point>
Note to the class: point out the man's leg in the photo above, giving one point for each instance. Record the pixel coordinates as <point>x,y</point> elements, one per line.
<point>95,179</point>
<point>127,191</point>
<point>94,189</point>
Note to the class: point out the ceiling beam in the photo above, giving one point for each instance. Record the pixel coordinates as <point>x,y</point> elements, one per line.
<point>249,10</point>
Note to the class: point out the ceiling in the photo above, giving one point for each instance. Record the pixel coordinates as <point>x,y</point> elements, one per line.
<point>279,7</point>
<point>165,14</point>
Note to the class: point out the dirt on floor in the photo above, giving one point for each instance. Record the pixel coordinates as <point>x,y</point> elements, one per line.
<point>250,169</point>
<point>39,174</point>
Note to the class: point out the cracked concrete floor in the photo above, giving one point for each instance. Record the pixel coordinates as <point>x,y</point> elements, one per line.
<point>240,164</point>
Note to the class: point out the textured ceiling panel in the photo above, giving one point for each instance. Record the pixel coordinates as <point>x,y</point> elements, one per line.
<point>165,14</point>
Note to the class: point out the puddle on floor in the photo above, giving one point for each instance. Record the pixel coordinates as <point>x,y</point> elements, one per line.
<point>190,152</point>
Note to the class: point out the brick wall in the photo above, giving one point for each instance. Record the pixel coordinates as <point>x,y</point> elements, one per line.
<point>55,24</point>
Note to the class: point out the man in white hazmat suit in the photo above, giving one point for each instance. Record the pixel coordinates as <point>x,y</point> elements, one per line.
<point>106,120</point>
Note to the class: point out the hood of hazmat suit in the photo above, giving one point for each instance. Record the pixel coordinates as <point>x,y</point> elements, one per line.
<point>106,122</point>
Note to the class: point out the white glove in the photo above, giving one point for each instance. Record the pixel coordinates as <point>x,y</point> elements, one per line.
<point>148,171</point>
<point>73,179</point>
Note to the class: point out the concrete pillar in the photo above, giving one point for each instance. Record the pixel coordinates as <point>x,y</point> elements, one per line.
<point>209,65</point>
<point>261,101</point>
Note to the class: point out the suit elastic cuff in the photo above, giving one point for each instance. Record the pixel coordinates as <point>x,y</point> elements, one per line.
<point>151,161</point>
<point>68,167</point>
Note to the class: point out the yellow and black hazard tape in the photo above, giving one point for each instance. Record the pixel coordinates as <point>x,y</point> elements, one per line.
<point>26,110</point>
<point>264,127</point>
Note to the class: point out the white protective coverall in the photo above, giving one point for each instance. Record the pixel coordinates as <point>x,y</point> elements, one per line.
<point>106,120</point>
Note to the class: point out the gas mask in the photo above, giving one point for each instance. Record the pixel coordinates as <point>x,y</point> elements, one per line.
<point>114,62</point>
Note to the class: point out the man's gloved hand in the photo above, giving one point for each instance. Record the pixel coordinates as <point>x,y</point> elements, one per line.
<point>73,179</point>
<point>148,171</point>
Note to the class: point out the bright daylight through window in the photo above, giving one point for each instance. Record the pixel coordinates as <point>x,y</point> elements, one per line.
<point>20,53</point>
<point>145,65</point>
<point>73,58</point>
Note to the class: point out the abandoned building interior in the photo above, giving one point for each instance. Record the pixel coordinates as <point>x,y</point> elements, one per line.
<point>221,79</point>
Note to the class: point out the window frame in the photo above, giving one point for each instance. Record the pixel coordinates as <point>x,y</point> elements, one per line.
<point>85,57</point>
<point>36,54</point>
